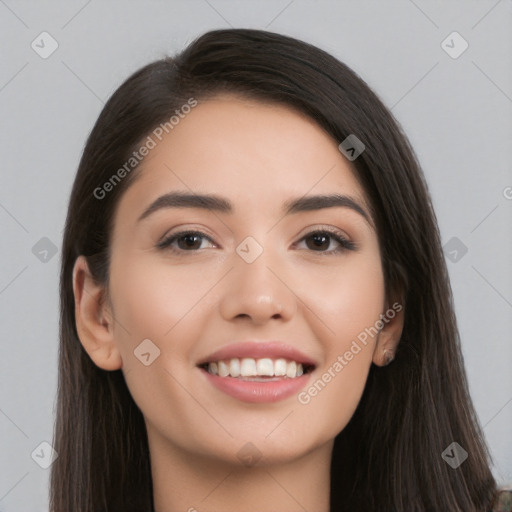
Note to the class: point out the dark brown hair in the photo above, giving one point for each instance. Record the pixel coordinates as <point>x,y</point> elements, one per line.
<point>388,458</point>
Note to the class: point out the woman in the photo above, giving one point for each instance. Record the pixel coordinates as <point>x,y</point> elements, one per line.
<point>255,309</point>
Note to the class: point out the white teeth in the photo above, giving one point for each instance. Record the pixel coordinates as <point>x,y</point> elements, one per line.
<point>265,367</point>
<point>291,369</point>
<point>234,367</point>
<point>223,369</point>
<point>280,367</point>
<point>249,367</point>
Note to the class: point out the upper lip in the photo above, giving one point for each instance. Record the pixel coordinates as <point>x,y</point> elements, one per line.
<point>258,350</point>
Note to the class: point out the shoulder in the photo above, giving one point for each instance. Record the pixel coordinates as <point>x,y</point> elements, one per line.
<point>504,501</point>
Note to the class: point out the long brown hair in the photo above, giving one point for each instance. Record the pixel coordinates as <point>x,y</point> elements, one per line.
<point>389,456</point>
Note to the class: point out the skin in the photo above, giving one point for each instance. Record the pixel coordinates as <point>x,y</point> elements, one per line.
<point>189,304</point>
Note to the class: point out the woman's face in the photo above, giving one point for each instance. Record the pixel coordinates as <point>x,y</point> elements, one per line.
<point>251,274</point>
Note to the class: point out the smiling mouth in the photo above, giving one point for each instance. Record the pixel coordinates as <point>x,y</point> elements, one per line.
<point>257,370</point>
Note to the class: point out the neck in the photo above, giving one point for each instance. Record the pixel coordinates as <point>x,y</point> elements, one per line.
<point>188,482</point>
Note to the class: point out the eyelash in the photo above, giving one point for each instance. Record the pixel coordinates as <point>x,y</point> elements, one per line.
<point>345,245</point>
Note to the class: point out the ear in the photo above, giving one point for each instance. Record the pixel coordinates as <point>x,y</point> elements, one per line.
<point>94,320</point>
<point>389,335</point>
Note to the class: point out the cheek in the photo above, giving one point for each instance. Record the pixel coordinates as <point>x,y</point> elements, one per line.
<point>347,299</point>
<point>151,298</point>
<point>156,302</point>
<point>163,304</point>
<point>349,304</point>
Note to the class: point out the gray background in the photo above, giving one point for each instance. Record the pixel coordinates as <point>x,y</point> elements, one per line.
<point>456,112</point>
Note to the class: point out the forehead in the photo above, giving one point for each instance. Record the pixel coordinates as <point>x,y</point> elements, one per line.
<point>258,154</point>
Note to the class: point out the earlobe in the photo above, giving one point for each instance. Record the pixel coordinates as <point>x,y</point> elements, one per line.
<point>389,336</point>
<point>94,322</point>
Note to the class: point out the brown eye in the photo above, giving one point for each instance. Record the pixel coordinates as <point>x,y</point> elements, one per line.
<point>186,241</point>
<point>319,241</point>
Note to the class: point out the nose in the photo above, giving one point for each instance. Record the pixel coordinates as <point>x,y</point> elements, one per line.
<point>257,291</point>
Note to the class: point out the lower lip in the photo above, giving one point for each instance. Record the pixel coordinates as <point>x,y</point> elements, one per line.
<point>257,392</point>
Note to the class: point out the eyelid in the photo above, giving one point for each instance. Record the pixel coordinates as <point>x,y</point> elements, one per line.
<point>182,232</point>
<point>325,227</point>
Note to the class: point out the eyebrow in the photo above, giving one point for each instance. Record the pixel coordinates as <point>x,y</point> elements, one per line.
<point>220,204</point>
